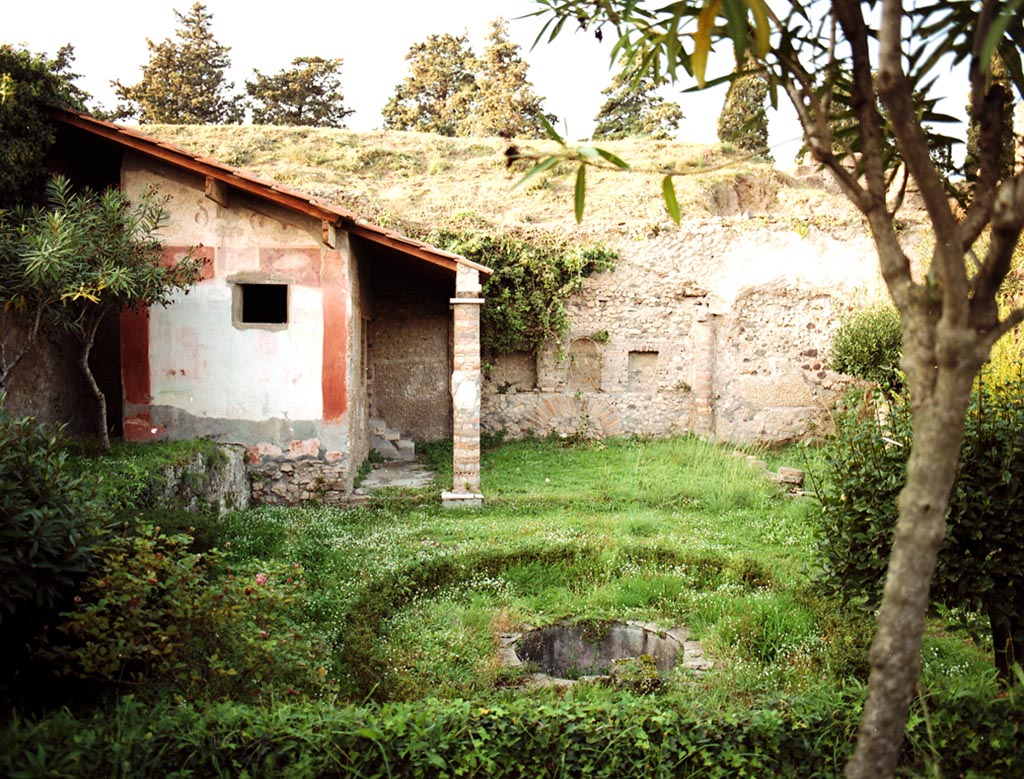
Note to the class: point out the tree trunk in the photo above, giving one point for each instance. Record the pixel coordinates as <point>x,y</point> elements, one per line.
<point>7,368</point>
<point>88,339</point>
<point>1007,643</point>
<point>895,651</point>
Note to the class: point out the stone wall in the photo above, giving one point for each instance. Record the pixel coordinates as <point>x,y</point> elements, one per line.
<point>302,473</point>
<point>219,480</point>
<point>721,328</point>
<point>409,342</point>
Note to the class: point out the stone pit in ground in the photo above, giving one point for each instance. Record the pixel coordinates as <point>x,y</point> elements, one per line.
<point>564,653</point>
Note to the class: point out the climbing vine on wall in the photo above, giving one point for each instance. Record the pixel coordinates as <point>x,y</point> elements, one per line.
<point>533,277</point>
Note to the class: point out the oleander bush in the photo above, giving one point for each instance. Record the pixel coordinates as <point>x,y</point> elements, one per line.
<point>162,619</point>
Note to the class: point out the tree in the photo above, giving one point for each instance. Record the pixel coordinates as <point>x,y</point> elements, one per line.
<point>886,62</point>
<point>634,108</point>
<point>306,95</point>
<point>437,96</point>
<point>29,84</point>
<point>744,121</point>
<point>1007,139</point>
<point>184,81</point>
<point>505,103</point>
<point>980,567</point>
<point>85,256</point>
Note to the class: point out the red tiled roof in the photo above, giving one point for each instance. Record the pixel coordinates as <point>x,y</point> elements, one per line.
<point>279,194</point>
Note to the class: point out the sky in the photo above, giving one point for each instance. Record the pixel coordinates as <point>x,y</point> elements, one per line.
<point>109,37</point>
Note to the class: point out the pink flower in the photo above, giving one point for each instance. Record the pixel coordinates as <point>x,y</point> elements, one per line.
<point>261,578</point>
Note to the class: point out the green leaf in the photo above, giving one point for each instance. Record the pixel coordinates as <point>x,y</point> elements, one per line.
<point>616,161</point>
<point>736,25</point>
<point>549,129</point>
<point>545,164</point>
<point>997,30</point>
<point>668,192</point>
<point>581,191</point>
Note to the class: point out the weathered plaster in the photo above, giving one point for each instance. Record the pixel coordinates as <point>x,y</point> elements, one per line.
<point>720,328</point>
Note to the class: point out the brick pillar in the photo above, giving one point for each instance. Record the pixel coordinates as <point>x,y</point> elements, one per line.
<point>704,338</point>
<point>466,381</point>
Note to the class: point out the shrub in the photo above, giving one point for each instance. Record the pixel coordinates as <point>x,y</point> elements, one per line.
<point>49,527</point>
<point>868,345</point>
<point>981,566</point>
<point>165,618</point>
<point>975,735</point>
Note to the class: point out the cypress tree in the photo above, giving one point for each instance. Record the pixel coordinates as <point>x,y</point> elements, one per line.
<point>744,120</point>
<point>633,107</point>
<point>184,81</point>
<point>437,95</point>
<point>505,101</point>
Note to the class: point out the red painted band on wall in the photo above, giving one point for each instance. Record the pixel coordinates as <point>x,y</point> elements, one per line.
<point>135,356</point>
<point>334,382</point>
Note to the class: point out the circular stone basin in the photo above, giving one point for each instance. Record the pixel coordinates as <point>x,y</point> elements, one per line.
<point>572,651</point>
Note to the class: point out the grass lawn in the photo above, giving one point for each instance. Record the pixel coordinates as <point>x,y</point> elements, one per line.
<point>315,641</point>
<point>679,532</point>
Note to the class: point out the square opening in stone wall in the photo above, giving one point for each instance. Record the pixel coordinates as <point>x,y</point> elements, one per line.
<point>261,304</point>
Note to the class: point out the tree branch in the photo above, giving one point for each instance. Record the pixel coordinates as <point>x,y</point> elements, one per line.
<point>813,113</point>
<point>986,112</point>
<point>1007,222</point>
<point>862,98</point>
<point>893,262</point>
<point>896,94</point>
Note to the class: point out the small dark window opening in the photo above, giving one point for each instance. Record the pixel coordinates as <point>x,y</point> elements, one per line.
<point>264,304</point>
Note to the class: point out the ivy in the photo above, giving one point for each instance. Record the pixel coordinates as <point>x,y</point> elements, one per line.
<point>533,277</point>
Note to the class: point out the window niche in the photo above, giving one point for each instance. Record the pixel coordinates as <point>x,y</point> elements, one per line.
<point>584,366</point>
<point>642,372</point>
<point>514,372</point>
<point>259,304</point>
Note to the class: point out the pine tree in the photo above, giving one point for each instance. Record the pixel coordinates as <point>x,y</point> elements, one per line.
<point>505,104</point>
<point>307,94</point>
<point>437,95</point>
<point>184,81</point>
<point>744,120</point>
<point>634,108</point>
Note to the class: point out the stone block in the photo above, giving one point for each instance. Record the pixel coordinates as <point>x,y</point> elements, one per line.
<point>462,499</point>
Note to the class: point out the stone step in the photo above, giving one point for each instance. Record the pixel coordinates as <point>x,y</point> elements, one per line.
<point>406,449</point>
<point>389,443</point>
<point>384,448</point>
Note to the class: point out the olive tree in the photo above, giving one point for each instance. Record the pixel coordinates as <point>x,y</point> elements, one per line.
<point>882,59</point>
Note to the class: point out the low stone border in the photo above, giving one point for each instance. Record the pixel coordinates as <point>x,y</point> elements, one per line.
<point>690,658</point>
